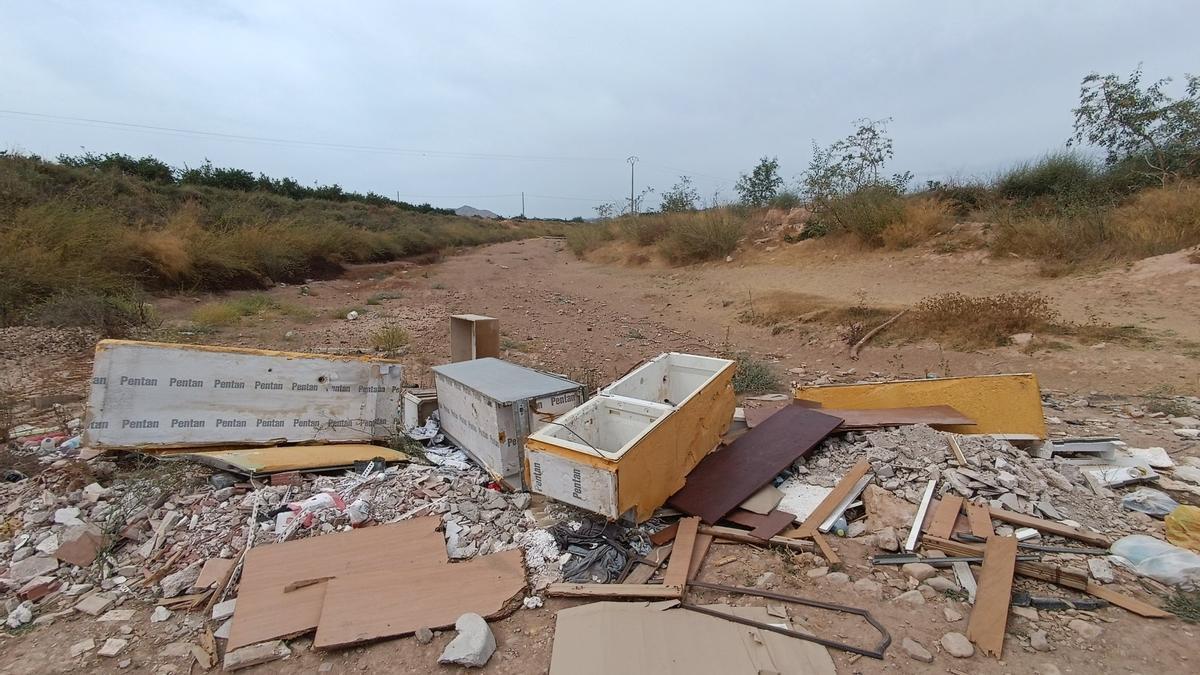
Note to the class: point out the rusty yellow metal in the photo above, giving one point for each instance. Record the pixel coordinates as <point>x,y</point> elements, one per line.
<point>1009,405</point>
<point>256,461</point>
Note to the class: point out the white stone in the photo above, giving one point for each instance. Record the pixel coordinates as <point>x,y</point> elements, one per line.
<point>224,610</point>
<point>1085,630</point>
<point>1188,422</point>
<point>21,615</point>
<point>67,516</point>
<point>836,579</point>
<point>951,614</point>
<point>112,647</point>
<point>160,614</point>
<point>1101,570</point>
<point>958,646</point>
<point>1190,434</point>
<point>473,645</point>
<point>912,597</point>
<point>1038,641</point>
<point>919,571</point>
<point>916,651</point>
<point>82,646</point>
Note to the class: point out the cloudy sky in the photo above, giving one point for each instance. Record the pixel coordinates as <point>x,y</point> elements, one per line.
<point>474,102</point>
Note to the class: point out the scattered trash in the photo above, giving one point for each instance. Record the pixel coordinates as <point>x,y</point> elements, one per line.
<point>1159,560</point>
<point>1150,502</point>
<point>1183,527</point>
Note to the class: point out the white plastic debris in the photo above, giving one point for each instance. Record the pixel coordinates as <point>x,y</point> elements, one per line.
<point>1159,560</point>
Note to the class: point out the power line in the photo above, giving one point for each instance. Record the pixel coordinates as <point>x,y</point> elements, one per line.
<point>452,154</point>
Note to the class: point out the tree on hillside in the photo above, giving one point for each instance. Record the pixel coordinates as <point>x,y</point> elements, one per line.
<point>681,197</point>
<point>1142,122</point>
<point>853,163</point>
<point>762,184</point>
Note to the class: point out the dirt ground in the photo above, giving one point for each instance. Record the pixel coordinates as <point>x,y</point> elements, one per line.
<point>593,321</point>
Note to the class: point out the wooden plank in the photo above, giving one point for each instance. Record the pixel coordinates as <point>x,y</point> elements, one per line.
<point>213,572</point>
<point>944,516</point>
<point>266,612</point>
<point>809,527</point>
<point>980,519</point>
<point>664,535</point>
<point>1050,527</point>
<point>725,478</point>
<point>1062,576</point>
<point>613,591</point>
<point>1126,602</point>
<point>411,594</point>
<point>957,450</point>
<point>642,572</point>
<point>835,563</point>
<point>681,555</point>
<point>730,534</point>
<point>763,527</point>
<point>990,614</point>
<point>703,541</point>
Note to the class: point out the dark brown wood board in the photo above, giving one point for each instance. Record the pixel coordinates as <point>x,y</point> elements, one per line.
<point>725,478</point>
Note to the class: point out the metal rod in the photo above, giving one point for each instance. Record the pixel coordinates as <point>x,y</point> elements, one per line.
<point>877,653</point>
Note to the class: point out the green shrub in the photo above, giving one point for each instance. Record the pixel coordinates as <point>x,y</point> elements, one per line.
<point>754,376</point>
<point>648,229</point>
<point>786,200</point>
<point>389,338</point>
<point>1060,176</point>
<point>864,213</point>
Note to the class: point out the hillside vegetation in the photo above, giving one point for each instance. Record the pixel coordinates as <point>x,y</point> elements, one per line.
<point>83,243</point>
<point>1067,208</point>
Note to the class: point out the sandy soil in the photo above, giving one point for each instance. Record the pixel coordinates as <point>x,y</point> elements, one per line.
<point>596,320</point>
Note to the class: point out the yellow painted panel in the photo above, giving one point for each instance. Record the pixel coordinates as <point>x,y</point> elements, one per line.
<point>657,464</point>
<point>999,404</point>
<point>105,344</point>
<point>253,461</point>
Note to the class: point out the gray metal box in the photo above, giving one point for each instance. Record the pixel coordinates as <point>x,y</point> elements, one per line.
<point>488,407</point>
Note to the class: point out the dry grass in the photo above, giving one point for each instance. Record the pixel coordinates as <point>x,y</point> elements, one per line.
<point>790,309</point>
<point>389,339</point>
<point>922,219</point>
<point>230,312</point>
<point>969,322</point>
<point>702,235</point>
<point>1158,221</point>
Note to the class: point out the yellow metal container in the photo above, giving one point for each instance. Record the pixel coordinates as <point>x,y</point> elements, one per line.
<point>1006,405</point>
<point>624,452</point>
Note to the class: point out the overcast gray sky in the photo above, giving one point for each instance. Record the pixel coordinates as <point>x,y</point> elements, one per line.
<point>550,98</point>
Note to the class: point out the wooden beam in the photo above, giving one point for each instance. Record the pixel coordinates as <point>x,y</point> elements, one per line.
<point>643,571</point>
<point>1034,570</point>
<point>741,536</point>
<point>1126,602</point>
<point>681,554</point>
<point>980,520</point>
<point>944,516</point>
<point>569,590</point>
<point>1050,527</point>
<point>703,541</point>
<point>835,563</point>
<point>957,450</point>
<point>990,614</point>
<point>827,505</point>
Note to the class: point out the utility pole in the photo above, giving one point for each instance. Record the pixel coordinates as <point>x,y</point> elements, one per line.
<point>522,203</point>
<point>632,159</point>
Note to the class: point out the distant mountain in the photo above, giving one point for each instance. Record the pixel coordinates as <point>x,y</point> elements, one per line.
<point>472,212</point>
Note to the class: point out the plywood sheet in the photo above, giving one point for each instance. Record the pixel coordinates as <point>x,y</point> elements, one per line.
<point>725,478</point>
<point>999,404</point>
<point>703,542</point>
<point>261,461</point>
<point>990,614</point>
<point>213,572</point>
<point>764,501</point>
<point>265,611</point>
<point>933,415</point>
<point>147,395</point>
<point>980,520</point>
<point>402,598</point>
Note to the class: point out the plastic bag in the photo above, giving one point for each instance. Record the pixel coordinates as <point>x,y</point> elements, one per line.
<point>1150,502</point>
<point>1159,560</point>
<point>1183,527</point>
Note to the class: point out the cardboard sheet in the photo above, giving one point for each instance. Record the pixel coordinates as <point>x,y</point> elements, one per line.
<point>1009,405</point>
<point>431,594</point>
<point>631,638</point>
<point>147,395</point>
<point>261,461</point>
<point>266,611</point>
